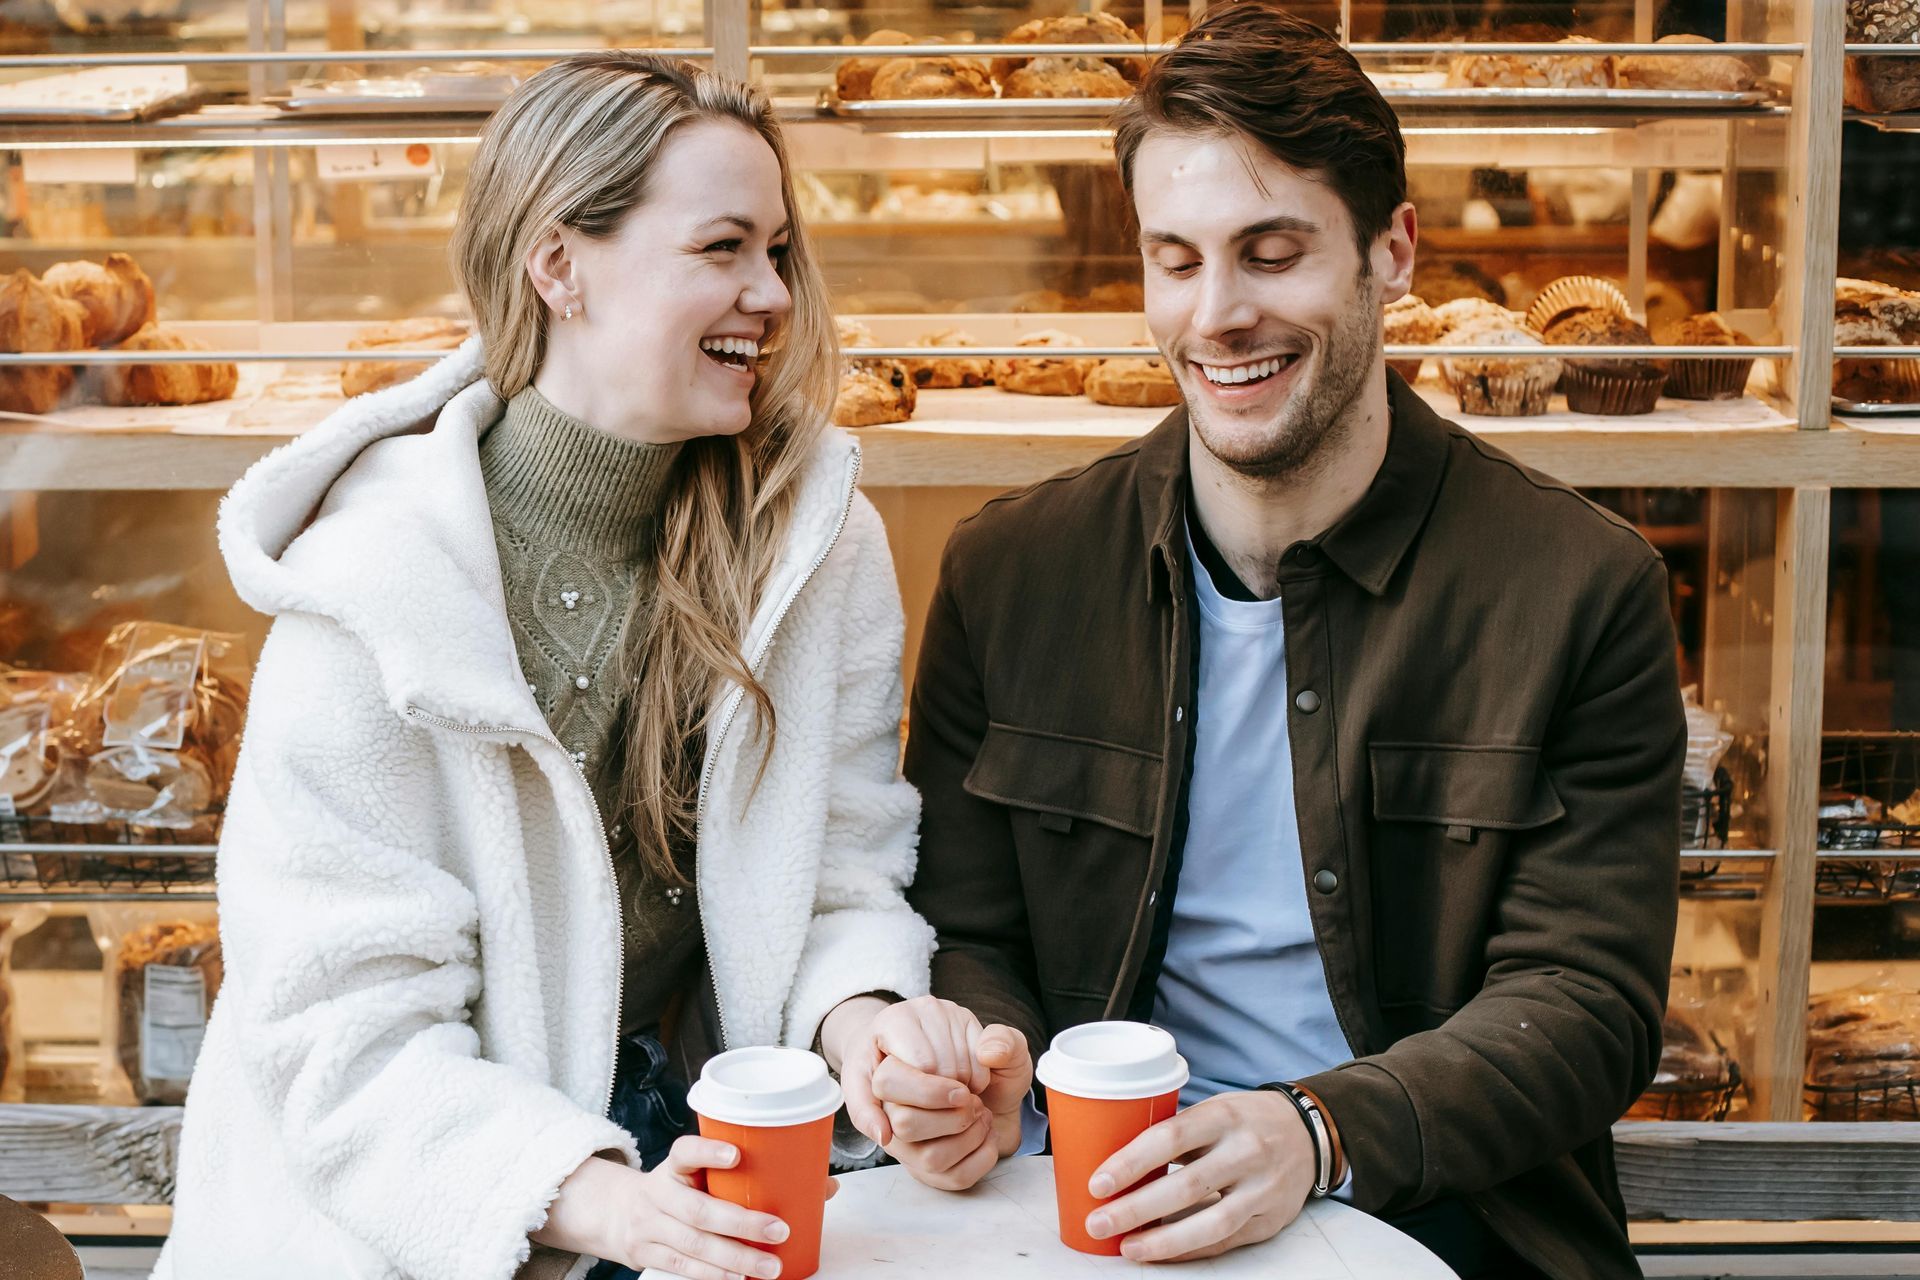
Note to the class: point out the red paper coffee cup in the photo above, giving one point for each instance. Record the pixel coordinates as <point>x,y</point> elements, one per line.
<point>1107,1083</point>
<point>776,1105</point>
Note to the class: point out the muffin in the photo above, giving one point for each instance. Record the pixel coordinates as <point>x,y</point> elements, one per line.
<point>1703,379</point>
<point>1571,294</point>
<point>1883,84</point>
<point>1570,70</point>
<point>1046,375</point>
<point>1411,322</point>
<point>1616,387</point>
<point>949,371</point>
<point>1464,311</point>
<point>1066,77</point>
<point>1868,380</point>
<point>1136,383</point>
<point>853,78</point>
<point>1494,387</point>
<point>1716,72</point>
<point>906,79</point>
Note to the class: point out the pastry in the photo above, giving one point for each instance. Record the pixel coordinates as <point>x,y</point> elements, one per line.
<point>1465,311</point>
<point>33,318</point>
<point>1570,294</point>
<point>191,951</point>
<point>1136,383</point>
<point>1066,77</point>
<point>1443,281</point>
<point>873,392</point>
<point>1719,73</point>
<point>422,333</point>
<point>130,384</point>
<point>117,296</point>
<point>1042,300</point>
<point>949,371</point>
<point>1410,322</point>
<point>1877,83</point>
<point>1898,309</point>
<point>1703,379</point>
<point>1533,71</point>
<point>1496,387</point>
<point>937,77</point>
<point>1078,28</point>
<point>1044,375</point>
<point>1890,381</point>
<point>1115,295</point>
<point>1614,387</point>
<point>853,78</point>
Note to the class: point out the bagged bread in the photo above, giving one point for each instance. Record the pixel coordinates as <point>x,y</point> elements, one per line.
<point>15,920</point>
<point>163,970</point>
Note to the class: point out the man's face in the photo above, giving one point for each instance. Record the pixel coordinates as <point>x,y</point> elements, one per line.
<point>1258,295</point>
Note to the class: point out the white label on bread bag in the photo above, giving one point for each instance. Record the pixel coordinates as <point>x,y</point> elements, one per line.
<point>174,1021</point>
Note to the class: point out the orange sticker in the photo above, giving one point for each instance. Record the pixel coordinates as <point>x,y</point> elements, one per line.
<point>419,155</point>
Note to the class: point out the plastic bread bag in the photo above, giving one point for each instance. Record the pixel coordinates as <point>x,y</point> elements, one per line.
<point>162,970</point>
<point>1707,741</point>
<point>34,707</point>
<point>15,920</point>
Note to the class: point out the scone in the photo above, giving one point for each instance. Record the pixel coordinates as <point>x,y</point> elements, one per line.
<point>1410,322</point>
<point>1078,28</point>
<point>33,318</point>
<point>1883,83</point>
<point>948,372</point>
<point>117,296</point>
<point>422,333</point>
<point>1135,383</point>
<point>873,392</point>
<point>1717,72</point>
<point>1044,375</point>
<point>1571,70</point>
<point>903,79</point>
<point>853,78</point>
<point>1066,77</point>
<point>131,384</point>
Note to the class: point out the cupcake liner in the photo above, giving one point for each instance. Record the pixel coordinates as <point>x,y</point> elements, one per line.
<point>1574,293</point>
<point>1708,379</point>
<point>1614,392</point>
<point>1502,396</point>
<point>1877,381</point>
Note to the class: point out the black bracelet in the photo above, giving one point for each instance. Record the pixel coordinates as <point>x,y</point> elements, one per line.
<point>1316,1133</point>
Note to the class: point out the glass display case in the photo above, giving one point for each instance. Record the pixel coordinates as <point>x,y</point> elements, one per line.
<point>286,177</point>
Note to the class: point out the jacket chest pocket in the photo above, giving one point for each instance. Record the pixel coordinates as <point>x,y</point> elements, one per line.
<point>1083,814</point>
<point>1445,818</point>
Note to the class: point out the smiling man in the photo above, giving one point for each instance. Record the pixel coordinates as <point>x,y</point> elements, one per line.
<point>1308,727</point>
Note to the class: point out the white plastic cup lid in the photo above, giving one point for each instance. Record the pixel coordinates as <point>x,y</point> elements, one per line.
<point>1106,1060</point>
<point>764,1087</point>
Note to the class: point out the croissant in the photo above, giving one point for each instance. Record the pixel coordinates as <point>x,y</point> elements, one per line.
<point>118,297</point>
<point>130,384</point>
<point>34,318</point>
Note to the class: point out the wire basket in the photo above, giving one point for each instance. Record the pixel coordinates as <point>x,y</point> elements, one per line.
<point>114,855</point>
<point>1879,1100</point>
<point>1706,813</point>
<point>1883,768</point>
<point>1689,1100</point>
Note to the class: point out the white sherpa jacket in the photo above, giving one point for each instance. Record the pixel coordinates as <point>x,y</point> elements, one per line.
<point>415,1041</point>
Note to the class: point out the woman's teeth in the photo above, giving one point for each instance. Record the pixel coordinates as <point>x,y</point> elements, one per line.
<point>1227,376</point>
<point>731,351</point>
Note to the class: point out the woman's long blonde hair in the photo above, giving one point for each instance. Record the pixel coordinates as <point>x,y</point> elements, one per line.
<point>575,146</point>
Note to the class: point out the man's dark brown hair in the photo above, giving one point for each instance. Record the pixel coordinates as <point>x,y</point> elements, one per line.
<point>1249,67</point>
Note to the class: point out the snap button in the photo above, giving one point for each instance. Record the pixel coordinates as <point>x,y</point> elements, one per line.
<point>1325,881</point>
<point>1307,700</point>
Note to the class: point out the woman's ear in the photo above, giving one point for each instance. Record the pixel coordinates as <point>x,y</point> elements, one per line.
<point>550,266</point>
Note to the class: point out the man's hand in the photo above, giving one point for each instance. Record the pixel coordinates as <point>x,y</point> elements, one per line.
<point>1248,1166</point>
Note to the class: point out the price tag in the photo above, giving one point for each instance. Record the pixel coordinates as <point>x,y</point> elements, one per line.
<point>99,165</point>
<point>377,161</point>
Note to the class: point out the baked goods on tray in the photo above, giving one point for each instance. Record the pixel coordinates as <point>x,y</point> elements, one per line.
<point>932,77</point>
<point>116,295</point>
<point>421,333</point>
<point>1877,83</point>
<point>1560,70</point>
<point>1720,73</point>
<point>1045,375</point>
<point>873,392</point>
<point>1612,386</point>
<point>1066,77</point>
<point>1498,386</point>
<point>132,384</point>
<point>1410,322</point>
<point>1134,383</point>
<point>33,318</point>
<point>1863,1054</point>
<point>853,78</point>
<point>946,372</point>
<point>1076,28</point>
<point>1704,379</point>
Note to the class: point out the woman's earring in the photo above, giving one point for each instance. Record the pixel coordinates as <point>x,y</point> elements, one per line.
<point>568,313</point>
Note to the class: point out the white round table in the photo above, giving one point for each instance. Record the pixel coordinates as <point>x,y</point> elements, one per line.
<point>884,1224</point>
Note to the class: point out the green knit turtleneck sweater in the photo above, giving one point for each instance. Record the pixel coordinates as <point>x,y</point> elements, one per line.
<point>574,514</point>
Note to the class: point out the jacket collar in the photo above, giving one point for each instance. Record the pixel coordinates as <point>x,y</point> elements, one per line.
<point>1367,544</point>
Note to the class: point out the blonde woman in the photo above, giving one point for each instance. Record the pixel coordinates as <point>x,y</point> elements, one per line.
<point>573,748</point>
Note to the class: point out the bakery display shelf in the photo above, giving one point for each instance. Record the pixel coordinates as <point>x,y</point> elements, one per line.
<point>1769,1172</point>
<point>240,125</point>
<point>62,860</point>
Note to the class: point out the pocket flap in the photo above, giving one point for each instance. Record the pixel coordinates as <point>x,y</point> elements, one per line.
<point>1074,777</point>
<point>1491,788</point>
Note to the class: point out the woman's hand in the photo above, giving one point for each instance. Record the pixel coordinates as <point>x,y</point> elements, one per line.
<point>662,1218</point>
<point>929,1039</point>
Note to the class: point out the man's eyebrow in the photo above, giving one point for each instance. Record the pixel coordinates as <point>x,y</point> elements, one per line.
<point>1282,222</point>
<point>745,223</point>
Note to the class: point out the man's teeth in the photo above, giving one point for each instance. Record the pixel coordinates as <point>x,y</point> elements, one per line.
<point>732,347</point>
<point>1227,376</point>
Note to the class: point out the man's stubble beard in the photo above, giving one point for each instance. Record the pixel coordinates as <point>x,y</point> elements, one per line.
<point>1314,419</point>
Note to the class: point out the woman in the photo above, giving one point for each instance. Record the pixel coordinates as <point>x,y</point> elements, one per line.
<point>578,722</point>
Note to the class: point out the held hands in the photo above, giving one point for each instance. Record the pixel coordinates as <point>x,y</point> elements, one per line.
<point>1247,1168</point>
<point>939,1092</point>
<point>662,1218</point>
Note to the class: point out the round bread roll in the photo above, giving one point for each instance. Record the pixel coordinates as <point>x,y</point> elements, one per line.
<point>940,77</point>
<point>853,78</point>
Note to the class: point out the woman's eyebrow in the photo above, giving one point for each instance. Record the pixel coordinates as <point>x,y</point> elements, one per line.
<point>746,224</point>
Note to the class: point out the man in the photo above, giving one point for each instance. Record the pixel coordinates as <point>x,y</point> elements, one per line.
<point>1308,727</point>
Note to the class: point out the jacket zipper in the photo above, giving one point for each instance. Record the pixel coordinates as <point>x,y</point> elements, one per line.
<point>606,855</point>
<point>738,696</point>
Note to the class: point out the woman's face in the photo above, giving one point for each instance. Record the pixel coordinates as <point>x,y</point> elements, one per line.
<point>676,304</point>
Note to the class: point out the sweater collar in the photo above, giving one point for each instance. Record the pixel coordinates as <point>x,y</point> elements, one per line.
<point>566,484</point>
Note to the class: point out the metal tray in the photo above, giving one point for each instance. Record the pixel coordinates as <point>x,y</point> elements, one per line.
<point>1577,99</point>
<point>1875,409</point>
<point>459,95</point>
<point>101,94</point>
<point>970,108</point>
